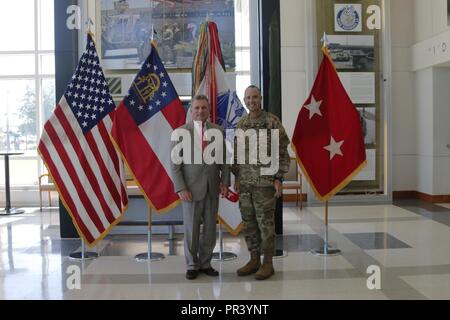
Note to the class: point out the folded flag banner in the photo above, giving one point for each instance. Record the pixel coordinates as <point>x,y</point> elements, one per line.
<point>76,148</point>
<point>328,138</point>
<point>142,129</point>
<point>209,78</point>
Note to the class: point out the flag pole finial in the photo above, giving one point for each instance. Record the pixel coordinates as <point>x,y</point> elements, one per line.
<point>153,33</point>
<point>89,26</point>
<point>153,43</point>
<point>325,40</point>
<point>89,23</point>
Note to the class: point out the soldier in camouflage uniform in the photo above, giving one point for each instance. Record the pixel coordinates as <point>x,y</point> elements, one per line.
<point>259,193</point>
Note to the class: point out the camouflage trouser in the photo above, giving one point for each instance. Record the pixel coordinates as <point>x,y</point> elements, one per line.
<point>257,205</point>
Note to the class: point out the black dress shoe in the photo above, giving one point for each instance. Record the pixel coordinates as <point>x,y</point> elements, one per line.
<point>210,272</point>
<point>191,274</point>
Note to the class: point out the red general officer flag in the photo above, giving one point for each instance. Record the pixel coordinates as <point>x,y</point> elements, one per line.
<point>142,129</point>
<point>328,138</point>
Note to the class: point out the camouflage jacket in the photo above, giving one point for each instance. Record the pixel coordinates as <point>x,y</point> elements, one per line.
<point>250,174</point>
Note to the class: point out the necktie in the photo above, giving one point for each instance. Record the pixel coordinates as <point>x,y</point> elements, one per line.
<point>204,141</point>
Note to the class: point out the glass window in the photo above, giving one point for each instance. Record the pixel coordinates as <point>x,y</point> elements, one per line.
<point>17,64</point>
<point>46,25</point>
<point>22,172</point>
<point>27,90</point>
<point>47,64</point>
<point>18,115</point>
<point>17,25</point>
<point>48,98</point>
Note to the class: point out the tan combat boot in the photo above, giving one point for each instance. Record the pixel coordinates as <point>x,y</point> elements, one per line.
<point>252,266</point>
<point>266,270</point>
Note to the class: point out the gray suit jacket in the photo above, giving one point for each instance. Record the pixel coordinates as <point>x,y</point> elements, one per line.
<point>198,178</point>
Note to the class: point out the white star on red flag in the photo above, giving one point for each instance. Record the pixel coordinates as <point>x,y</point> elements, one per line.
<point>314,107</point>
<point>334,148</point>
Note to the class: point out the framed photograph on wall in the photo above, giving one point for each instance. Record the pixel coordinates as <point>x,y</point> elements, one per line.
<point>352,53</point>
<point>368,124</point>
<point>347,17</point>
<point>127,26</point>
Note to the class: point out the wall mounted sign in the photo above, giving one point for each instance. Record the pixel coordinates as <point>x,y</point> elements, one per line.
<point>348,17</point>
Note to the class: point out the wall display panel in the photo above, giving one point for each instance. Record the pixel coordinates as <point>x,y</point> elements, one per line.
<point>123,29</point>
<point>357,54</point>
<point>127,27</point>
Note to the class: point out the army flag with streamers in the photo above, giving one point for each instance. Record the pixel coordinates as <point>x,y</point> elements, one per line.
<point>209,78</point>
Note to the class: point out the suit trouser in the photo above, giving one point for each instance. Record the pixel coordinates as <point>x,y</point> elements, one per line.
<point>198,248</point>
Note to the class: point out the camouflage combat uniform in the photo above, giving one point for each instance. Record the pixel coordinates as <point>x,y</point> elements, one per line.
<point>257,193</point>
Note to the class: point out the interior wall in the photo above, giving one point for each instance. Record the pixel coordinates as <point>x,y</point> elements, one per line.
<point>431,96</point>
<point>430,18</point>
<point>293,66</point>
<point>293,61</point>
<point>404,155</point>
<point>423,137</point>
<point>441,131</point>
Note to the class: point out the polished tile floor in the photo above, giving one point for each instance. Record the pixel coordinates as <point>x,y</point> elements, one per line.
<point>407,241</point>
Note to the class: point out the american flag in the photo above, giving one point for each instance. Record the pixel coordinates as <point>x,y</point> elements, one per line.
<point>142,128</point>
<point>78,152</point>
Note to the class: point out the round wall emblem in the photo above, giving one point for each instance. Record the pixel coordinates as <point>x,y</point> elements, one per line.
<point>348,18</point>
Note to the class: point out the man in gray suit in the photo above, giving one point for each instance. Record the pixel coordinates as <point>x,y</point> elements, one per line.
<point>198,186</point>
